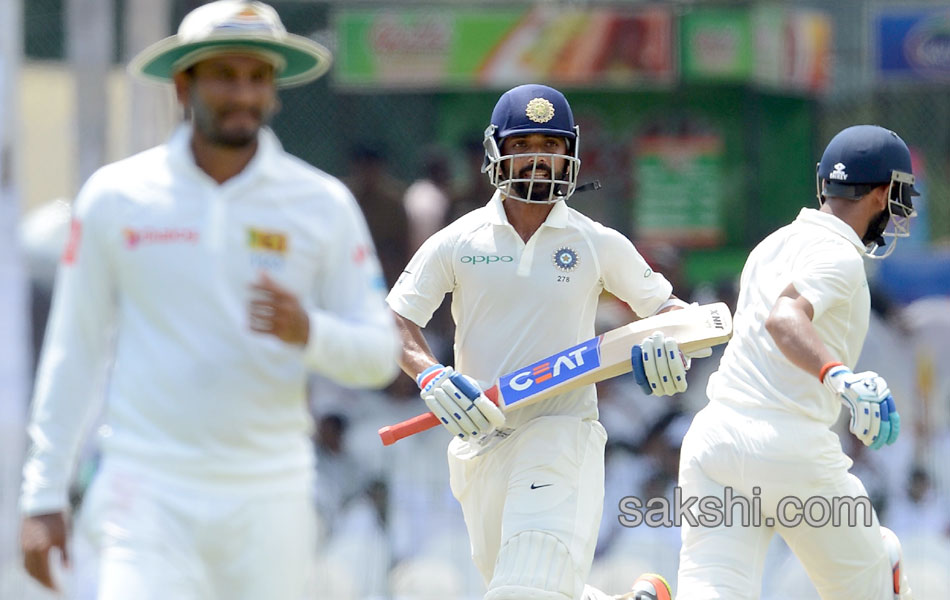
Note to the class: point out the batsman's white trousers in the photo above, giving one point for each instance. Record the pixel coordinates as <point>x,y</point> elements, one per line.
<point>158,538</point>
<point>547,476</point>
<point>785,455</point>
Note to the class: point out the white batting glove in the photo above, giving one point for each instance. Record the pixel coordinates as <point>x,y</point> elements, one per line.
<point>874,418</point>
<point>458,401</point>
<point>658,365</point>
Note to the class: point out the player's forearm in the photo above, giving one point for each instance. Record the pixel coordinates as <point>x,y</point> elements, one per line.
<point>416,356</point>
<point>64,406</point>
<point>791,328</point>
<point>71,371</point>
<point>353,353</point>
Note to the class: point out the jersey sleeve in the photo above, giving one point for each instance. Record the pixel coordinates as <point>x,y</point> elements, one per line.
<point>627,275</point>
<point>428,277</point>
<point>352,335</point>
<point>75,353</point>
<point>828,273</point>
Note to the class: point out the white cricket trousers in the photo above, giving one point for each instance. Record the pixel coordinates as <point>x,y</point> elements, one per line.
<point>784,455</point>
<point>161,538</point>
<point>547,476</point>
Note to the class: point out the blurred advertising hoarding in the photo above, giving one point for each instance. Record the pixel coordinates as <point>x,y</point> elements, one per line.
<point>775,46</point>
<point>716,44</point>
<point>806,53</point>
<point>679,188</point>
<point>911,43</point>
<point>442,47</point>
<point>920,225</point>
<point>770,45</point>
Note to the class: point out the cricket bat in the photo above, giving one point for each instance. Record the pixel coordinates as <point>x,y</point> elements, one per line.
<point>605,356</point>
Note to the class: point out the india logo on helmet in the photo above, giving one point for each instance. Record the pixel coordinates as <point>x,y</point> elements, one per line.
<point>540,110</point>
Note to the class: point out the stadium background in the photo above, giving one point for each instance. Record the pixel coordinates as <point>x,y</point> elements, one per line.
<point>703,122</point>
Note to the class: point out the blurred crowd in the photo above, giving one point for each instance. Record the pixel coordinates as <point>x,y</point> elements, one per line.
<point>390,527</point>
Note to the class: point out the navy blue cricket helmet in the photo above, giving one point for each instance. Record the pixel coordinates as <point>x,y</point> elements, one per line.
<point>524,110</point>
<point>861,158</point>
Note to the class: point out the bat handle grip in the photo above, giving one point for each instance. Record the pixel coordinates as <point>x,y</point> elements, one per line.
<point>393,433</point>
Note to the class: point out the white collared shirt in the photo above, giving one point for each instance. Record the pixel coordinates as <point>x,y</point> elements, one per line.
<point>822,257</point>
<point>514,302</point>
<point>164,256</point>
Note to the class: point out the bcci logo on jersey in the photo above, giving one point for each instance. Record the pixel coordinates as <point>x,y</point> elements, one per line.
<point>565,259</point>
<point>551,371</point>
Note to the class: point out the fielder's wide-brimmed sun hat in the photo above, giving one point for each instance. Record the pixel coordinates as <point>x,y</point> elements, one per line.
<point>234,26</point>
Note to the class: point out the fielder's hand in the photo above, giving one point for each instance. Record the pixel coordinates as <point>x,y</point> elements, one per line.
<point>874,418</point>
<point>276,311</point>
<point>38,535</point>
<point>458,402</point>
<point>658,365</point>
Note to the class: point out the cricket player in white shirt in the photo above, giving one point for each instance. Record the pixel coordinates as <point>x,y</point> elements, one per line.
<point>219,270</point>
<point>525,272</point>
<point>801,320</point>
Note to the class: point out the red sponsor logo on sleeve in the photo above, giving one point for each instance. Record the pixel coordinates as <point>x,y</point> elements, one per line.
<point>72,245</point>
<point>132,237</point>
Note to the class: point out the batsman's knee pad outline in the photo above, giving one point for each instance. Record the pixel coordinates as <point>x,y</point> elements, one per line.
<point>519,592</point>
<point>534,565</point>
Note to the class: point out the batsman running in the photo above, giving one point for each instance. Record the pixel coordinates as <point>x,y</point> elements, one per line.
<point>801,320</point>
<point>525,272</point>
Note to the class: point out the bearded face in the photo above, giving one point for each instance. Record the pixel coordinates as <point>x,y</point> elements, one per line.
<point>538,182</point>
<point>231,97</point>
<point>534,163</point>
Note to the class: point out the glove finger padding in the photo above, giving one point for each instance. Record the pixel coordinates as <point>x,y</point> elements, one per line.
<point>880,431</point>
<point>637,356</point>
<point>464,406</point>
<point>488,408</point>
<point>875,425</point>
<point>884,433</point>
<point>861,420</point>
<point>649,366</point>
<point>663,365</point>
<point>444,415</point>
<point>890,423</point>
<point>678,365</point>
<point>895,420</point>
<point>478,402</point>
<point>466,420</point>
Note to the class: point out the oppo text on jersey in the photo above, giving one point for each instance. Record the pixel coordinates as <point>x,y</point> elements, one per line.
<point>486,259</point>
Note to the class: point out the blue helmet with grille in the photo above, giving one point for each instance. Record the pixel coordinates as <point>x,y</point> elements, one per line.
<point>861,158</point>
<point>524,110</point>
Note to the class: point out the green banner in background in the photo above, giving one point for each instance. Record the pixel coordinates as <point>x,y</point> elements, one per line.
<point>415,47</point>
<point>679,186</point>
<point>453,48</point>
<point>716,45</point>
